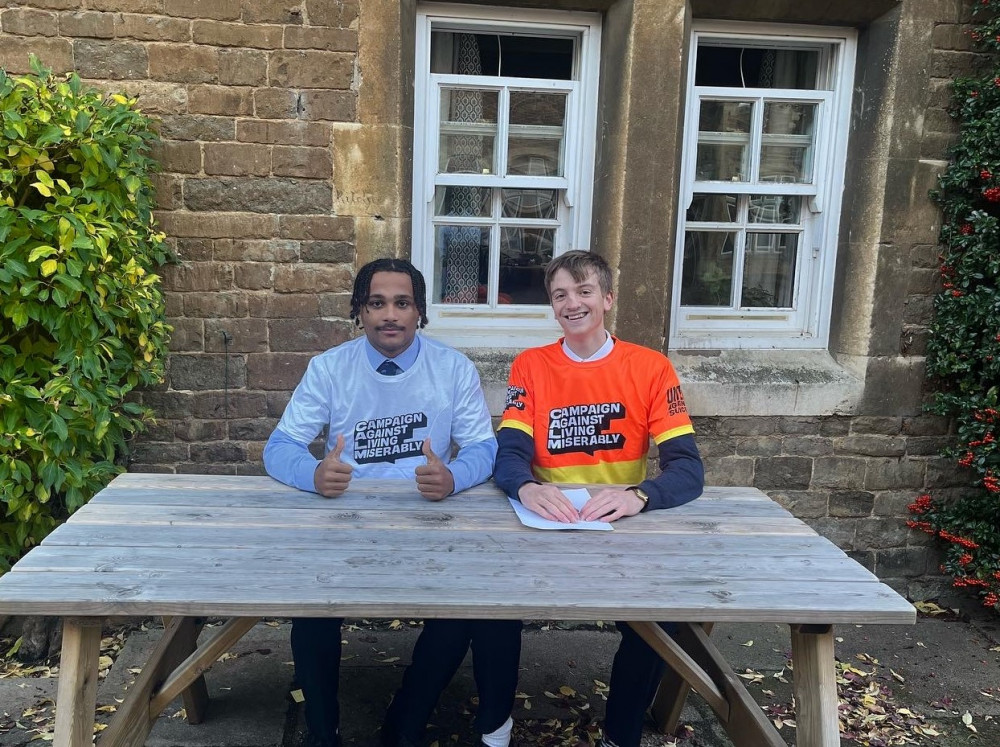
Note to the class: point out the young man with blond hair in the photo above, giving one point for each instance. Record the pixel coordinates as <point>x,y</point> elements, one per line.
<point>582,410</point>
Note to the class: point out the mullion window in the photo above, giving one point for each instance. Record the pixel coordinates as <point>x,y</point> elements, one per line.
<point>487,263</point>
<point>519,246</point>
<point>753,244</point>
<point>756,243</point>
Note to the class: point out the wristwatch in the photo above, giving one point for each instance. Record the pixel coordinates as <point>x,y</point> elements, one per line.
<point>642,495</point>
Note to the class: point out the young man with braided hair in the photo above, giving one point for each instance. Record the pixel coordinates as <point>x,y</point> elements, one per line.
<point>391,374</point>
<point>582,410</point>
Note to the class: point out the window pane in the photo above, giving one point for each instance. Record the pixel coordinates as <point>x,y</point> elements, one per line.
<point>713,208</point>
<point>524,252</point>
<point>756,67</point>
<point>461,260</point>
<point>536,131</point>
<point>459,53</point>
<point>723,137</point>
<point>468,131</point>
<point>529,203</point>
<point>785,209</point>
<point>786,147</point>
<point>471,201</point>
<point>708,268</point>
<point>769,270</point>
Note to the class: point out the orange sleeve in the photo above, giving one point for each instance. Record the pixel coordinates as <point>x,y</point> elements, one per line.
<point>668,417</point>
<point>519,409</point>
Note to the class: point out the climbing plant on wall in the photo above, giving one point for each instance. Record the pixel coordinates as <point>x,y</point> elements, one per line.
<point>963,356</point>
<point>81,312</point>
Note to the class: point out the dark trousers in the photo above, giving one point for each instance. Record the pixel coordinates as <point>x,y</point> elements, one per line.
<point>635,676</point>
<point>316,653</point>
<point>437,655</point>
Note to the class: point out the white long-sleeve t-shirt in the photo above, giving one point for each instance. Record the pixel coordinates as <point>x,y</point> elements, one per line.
<point>385,419</point>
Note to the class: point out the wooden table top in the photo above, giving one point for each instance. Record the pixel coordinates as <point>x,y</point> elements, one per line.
<point>240,546</point>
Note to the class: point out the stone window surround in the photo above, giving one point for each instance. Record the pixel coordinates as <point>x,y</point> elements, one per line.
<point>815,226</point>
<point>483,327</point>
<point>640,112</point>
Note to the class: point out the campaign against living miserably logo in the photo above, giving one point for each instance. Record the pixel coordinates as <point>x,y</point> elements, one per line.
<point>388,439</point>
<point>583,428</point>
<point>514,397</point>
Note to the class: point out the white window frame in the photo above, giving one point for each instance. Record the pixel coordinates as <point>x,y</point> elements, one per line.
<point>504,325</point>
<point>807,323</point>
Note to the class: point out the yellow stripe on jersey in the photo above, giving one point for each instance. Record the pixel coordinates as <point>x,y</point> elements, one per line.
<point>611,473</point>
<point>518,425</point>
<point>673,433</point>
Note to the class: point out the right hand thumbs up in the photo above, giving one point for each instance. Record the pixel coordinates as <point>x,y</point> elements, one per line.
<point>338,449</point>
<point>332,476</point>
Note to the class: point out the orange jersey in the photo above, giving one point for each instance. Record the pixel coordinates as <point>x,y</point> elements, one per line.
<point>591,422</point>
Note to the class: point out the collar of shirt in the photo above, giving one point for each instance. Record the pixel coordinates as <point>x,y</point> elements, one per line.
<point>602,352</point>
<point>404,360</point>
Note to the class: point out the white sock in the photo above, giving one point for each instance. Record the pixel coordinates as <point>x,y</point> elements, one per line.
<point>500,737</point>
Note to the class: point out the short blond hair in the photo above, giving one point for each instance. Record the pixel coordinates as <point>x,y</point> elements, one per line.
<point>579,264</point>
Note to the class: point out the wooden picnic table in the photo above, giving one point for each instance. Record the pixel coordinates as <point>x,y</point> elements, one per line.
<point>187,547</point>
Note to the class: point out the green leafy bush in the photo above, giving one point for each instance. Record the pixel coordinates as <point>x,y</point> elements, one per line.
<point>963,353</point>
<point>81,312</point>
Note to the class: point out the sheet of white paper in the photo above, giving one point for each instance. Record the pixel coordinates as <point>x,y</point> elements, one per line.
<point>577,496</point>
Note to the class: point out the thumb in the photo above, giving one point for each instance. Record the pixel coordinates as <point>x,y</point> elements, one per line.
<point>429,452</point>
<point>338,449</point>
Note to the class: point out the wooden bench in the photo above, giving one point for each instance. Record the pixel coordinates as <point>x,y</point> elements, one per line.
<point>186,547</point>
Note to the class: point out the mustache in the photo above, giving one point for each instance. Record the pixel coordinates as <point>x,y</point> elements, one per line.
<point>393,327</point>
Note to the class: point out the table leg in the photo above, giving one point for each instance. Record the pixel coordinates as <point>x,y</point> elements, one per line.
<point>76,697</point>
<point>815,685</point>
<point>133,720</point>
<point>697,660</point>
<point>195,697</point>
<point>671,696</point>
<point>189,671</point>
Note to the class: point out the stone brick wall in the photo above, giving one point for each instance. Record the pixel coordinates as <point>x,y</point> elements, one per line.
<point>258,104</point>
<point>247,93</point>
<point>850,478</point>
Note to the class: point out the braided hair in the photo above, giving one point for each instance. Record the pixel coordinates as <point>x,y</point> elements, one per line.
<point>363,285</point>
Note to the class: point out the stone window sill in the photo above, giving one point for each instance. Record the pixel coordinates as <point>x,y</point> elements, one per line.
<point>766,382</point>
<point>727,382</point>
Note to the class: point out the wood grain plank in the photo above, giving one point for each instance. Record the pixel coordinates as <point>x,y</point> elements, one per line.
<point>512,540</point>
<point>484,562</point>
<point>508,597</point>
<point>223,483</point>
<point>439,519</point>
<point>493,502</point>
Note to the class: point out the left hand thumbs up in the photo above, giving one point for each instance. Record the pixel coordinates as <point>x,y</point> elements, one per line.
<point>434,479</point>
<point>428,452</point>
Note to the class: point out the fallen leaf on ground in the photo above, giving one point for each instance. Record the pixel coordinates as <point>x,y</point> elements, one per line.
<point>866,710</point>
<point>929,608</point>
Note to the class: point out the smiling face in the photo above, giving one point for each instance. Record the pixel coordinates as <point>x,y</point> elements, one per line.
<point>579,307</point>
<point>390,314</point>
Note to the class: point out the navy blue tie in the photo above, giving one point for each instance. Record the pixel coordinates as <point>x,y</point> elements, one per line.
<point>389,368</point>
